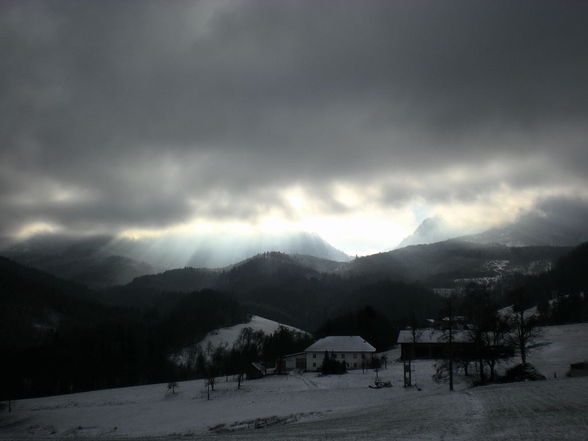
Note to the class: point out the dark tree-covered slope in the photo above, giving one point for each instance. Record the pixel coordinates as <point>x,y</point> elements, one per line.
<point>55,337</point>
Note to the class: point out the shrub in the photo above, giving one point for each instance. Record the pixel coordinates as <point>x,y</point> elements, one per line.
<point>332,366</point>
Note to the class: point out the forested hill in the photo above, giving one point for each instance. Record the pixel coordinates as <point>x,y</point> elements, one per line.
<point>439,264</point>
<point>57,338</point>
<point>34,302</point>
<point>562,293</point>
<point>288,289</point>
<point>304,291</point>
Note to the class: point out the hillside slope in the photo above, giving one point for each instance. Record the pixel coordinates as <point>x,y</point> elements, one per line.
<point>439,264</point>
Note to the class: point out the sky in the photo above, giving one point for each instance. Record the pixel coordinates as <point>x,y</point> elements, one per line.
<point>354,120</point>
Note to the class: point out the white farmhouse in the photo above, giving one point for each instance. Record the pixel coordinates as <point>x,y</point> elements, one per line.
<point>352,349</point>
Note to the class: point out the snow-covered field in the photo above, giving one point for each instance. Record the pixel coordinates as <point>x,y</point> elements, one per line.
<point>306,406</point>
<point>227,337</point>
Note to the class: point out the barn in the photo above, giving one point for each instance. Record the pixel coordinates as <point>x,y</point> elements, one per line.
<point>292,361</point>
<point>428,344</point>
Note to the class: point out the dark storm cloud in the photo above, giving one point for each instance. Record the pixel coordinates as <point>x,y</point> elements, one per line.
<point>158,111</point>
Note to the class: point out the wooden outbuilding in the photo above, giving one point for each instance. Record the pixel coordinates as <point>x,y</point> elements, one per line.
<point>578,369</point>
<point>427,344</point>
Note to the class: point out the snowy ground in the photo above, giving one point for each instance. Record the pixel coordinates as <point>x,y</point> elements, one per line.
<point>298,407</point>
<point>228,336</point>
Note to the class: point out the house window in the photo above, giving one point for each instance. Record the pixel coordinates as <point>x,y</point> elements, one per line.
<point>314,365</point>
<point>354,355</point>
<point>342,355</point>
<point>313,355</point>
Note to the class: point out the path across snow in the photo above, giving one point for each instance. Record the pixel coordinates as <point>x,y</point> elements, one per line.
<point>534,411</point>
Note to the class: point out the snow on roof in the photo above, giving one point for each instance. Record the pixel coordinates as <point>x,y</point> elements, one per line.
<point>297,354</point>
<point>341,343</point>
<point>432,336</point>
<point>509,311</point>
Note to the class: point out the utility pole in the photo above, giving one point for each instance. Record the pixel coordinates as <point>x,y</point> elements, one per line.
<point>450,345</point>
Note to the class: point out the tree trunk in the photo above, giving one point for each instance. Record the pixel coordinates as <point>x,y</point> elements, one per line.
<point>522,337</point>
<point>492,363</point>
<point>451,374</point>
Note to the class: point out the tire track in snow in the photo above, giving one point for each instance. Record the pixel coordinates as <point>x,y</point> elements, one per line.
<point>412,416</point>
<point>543,410</point>
<point>309,383</point>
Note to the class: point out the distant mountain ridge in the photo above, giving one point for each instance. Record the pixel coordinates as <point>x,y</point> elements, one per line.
<point>538,231</point>
<point>430,230</point>
<point>442,263</point>
<point>87,260</point>
<point>552,223</point>
<point>303,291</point>
<point>101,261</point>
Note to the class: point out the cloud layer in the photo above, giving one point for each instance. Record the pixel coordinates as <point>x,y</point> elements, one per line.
<point>121,115</point>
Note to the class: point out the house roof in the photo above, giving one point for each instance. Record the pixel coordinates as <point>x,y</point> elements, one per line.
<point>294,355</point>
<point>341,343</point>
<point>433,336</point>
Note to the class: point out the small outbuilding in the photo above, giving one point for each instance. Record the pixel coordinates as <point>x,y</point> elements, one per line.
<point>578,369</point>
<point>292,361</point>
<point>255,371</point>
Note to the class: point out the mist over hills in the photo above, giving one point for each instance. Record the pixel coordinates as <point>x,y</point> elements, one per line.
<point>304,291</point>
<point>310,281</point>
<point>89,260</point>
<point>100,261</point>
<point>431,230</point>
<point>552,222</point>
<point>535,230</point>
<point>298,290</point>
<point>442,263</point>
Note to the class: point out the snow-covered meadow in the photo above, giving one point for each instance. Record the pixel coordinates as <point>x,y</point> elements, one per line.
<point>227,337</point>
<point>308,406</point>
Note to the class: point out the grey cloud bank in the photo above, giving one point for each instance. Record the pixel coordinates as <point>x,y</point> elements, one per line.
<point>119,115</point>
